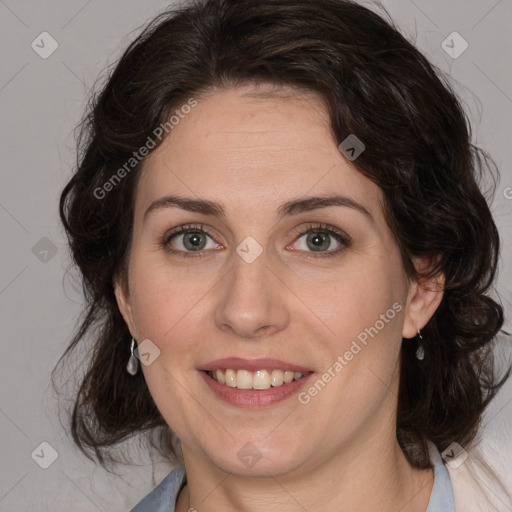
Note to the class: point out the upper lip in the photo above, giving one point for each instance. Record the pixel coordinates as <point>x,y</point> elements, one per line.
<point>239,363</point>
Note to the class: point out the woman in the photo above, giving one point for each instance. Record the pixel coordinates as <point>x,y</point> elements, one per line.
<point>286,256</point>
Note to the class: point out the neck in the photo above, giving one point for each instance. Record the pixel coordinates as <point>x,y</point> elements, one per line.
<point>371,476</point>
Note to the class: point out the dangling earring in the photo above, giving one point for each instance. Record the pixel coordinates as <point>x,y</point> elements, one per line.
<point>420,351</point>
<point>133,363</point>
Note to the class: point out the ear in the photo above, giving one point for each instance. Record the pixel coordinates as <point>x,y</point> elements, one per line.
<point>123,302</point>
<point>423,298</point>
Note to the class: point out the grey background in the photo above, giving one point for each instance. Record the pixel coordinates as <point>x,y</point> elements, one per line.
<point>41,100</point>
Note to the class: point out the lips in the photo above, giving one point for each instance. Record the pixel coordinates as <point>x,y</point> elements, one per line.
<point>252,365</point>
<point>253,382</point>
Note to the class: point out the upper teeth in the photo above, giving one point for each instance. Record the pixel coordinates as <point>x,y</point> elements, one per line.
<point>260,379</point>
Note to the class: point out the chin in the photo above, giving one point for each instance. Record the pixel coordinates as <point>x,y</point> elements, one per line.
<point>257,459</point>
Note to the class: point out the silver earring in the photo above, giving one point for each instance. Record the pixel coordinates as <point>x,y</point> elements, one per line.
<point>420,351</point>
<point>133,363</point>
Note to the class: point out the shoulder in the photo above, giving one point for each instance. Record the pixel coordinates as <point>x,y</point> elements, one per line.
<point>482,481</point>
<point>476,486</point>
<point>163,497</point>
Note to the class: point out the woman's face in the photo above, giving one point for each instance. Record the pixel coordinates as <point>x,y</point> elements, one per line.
<point>265,280</point>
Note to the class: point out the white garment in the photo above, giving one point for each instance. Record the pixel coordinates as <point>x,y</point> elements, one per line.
<point>474,489</point>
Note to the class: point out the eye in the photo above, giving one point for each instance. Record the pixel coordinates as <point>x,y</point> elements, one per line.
<point>190,238</point>
<point>320,237</point>
<point>193,238</point>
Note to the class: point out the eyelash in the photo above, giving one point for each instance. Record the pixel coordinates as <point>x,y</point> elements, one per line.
<point>338,235</point>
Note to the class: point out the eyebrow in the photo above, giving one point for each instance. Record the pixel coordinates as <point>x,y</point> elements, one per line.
<point>293,207</point>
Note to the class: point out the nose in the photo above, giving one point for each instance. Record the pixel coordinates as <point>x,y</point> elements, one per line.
<point>252,301</point>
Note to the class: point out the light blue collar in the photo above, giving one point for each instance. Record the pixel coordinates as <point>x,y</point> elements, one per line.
<point>163,498</point>
<point>441,498</point>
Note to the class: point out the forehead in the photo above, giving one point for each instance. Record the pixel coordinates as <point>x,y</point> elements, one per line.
<point>252,148</point>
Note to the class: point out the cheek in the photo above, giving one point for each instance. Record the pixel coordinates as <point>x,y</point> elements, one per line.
<point>358,296</point>
<point>364,311</point>
<point>163,299</point>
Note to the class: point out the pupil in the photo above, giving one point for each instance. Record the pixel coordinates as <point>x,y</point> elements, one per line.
<point>194,239</point>
<point>319,239</point>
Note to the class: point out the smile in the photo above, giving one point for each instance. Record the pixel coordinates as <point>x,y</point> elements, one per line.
<point>259,379</point>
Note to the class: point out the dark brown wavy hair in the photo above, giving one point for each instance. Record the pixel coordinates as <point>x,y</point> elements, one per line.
<point>376,85</point>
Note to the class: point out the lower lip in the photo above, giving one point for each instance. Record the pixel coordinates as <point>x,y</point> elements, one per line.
<point>253,398</point>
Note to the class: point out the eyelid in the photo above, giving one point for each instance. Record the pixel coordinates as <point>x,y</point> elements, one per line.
<point>323,228</point>
<point>184,229</point>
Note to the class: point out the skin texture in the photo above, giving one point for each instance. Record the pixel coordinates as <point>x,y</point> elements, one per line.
<point>339,452</point>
